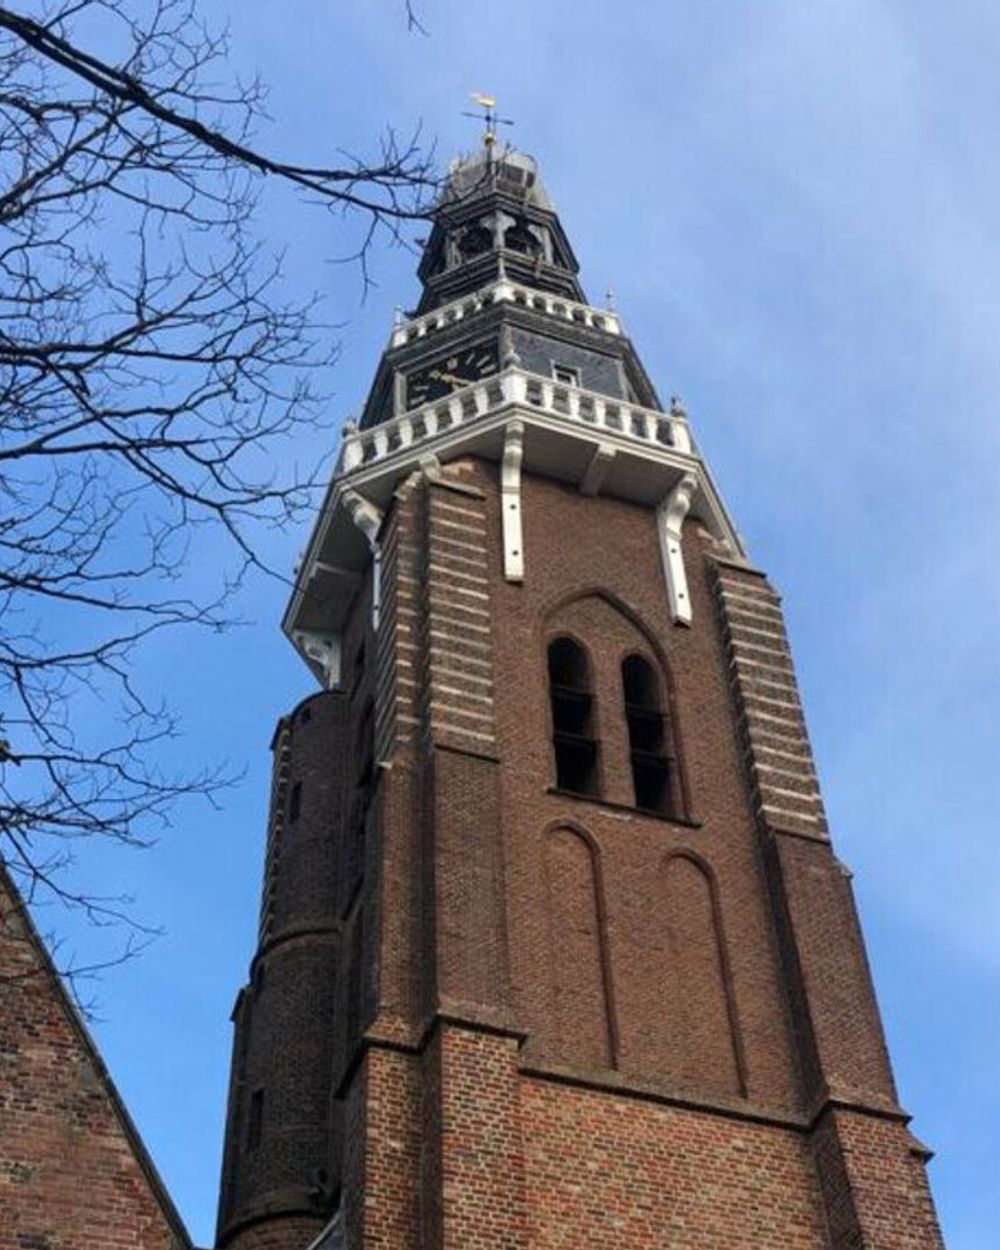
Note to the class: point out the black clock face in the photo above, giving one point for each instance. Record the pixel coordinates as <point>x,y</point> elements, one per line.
<point>451,373</point>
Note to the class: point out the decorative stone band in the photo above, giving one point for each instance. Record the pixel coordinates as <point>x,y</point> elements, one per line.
<point>506,292</point>
<point>515,387</point>
<point>776,750</point>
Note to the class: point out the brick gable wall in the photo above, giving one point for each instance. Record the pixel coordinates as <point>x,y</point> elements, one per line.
<point>73,1173</point>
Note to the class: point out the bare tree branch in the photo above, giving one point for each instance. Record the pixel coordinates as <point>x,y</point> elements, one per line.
<point>152,372</point>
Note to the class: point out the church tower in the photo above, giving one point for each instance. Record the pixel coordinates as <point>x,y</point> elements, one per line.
<point>555,951</point>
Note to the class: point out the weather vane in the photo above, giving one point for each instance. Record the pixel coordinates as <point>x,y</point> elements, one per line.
<point>488,116</point>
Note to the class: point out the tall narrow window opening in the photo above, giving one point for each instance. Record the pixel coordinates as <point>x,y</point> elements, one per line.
<point>295,802</point>
<point>360,800</point>
<point>647,738</point>
<point>475,240</point>
<point>255,1120</point>
<point>572,718</point>
<point>520,238</point>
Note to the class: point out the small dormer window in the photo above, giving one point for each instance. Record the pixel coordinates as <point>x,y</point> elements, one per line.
<point>566,376</point>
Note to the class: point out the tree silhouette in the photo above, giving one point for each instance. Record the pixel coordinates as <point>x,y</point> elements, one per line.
<point>149,376</point>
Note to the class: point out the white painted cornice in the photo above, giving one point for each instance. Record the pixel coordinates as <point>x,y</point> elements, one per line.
<point>525,423</point>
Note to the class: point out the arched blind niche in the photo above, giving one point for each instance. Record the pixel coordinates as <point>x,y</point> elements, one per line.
<point>572,700</point>
<point>647,737</point>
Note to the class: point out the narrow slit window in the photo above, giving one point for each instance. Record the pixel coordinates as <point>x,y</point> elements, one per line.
<point>255,1120</point>
<point>295,802</point>
<point>361,798</point>
<point>573,740</point>
<point>647,737</point>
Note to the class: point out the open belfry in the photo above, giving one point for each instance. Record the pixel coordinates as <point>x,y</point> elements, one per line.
<point>555,952</point>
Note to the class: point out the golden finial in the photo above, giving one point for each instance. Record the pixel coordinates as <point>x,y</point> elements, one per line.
<point>488,103</point>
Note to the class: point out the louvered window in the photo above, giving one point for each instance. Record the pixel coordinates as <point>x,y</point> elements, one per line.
<point>574,743</point>
<point>647,736</point>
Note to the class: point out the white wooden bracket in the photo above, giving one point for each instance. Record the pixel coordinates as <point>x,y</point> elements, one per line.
<point>364,514</point>
<point>368,519</point>
<point>669,521</point>
<point>510,501</point>
<point>597,470</point>
<point>324,650</point>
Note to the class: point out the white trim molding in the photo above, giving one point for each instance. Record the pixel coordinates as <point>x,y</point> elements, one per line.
<point>670,522</point>
<point>510,501</point>
<point>324,653</point>
<point>368,519</point>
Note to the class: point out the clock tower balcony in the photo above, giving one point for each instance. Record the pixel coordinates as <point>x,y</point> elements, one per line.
<point>524,422</point>
<point>505,291</point>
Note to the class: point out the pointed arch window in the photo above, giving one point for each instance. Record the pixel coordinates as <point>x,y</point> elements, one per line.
<point>573,739</point>
<point>647,737</point>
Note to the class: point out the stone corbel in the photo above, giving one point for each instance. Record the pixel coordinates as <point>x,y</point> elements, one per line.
<point>510,501</point>
<point>368,519</point>
<point>670,521</point>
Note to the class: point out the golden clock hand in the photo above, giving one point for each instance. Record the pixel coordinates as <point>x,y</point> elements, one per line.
<point>452,378</point>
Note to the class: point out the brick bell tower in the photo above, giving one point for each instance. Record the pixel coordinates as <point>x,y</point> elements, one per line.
<point>554,950</point>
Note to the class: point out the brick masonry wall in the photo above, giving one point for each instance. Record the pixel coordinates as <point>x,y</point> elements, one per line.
<point>73,1172</point>
<point>609,1173</point>
<point>875,1181</point>
<point>277,1173</point>
<point>659,968</point>
<point>593,570</point>
<point>475,1131</point>
<point>579,1023</point>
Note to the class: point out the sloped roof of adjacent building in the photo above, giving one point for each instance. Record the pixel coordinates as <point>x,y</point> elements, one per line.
<point>72,1161</point>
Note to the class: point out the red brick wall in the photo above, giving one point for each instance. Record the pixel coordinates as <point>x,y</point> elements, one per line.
<point>697,989</point>
<point>666,974</point>
<point>609,1173</point>
<point>579,1023</point>
<point>73,1174</point>
<point>875,1181</point>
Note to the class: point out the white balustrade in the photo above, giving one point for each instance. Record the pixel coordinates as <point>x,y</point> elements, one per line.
<point>506,292</point>
<point>511,388</point>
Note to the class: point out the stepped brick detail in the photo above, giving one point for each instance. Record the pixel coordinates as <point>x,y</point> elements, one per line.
<point>458,621</point>
<point>776,747</point>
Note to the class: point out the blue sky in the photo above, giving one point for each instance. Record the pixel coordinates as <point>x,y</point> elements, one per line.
<point>796,207</point>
